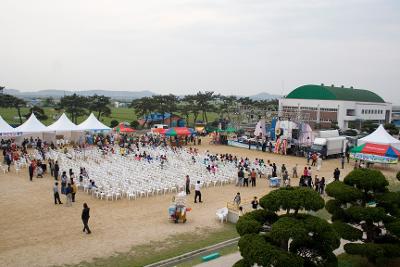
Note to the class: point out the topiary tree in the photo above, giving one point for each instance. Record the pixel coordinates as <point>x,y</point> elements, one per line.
<point>290,239</point>
<point>364,211</point>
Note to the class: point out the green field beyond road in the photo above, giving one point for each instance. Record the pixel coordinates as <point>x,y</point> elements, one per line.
<point>10,115</point>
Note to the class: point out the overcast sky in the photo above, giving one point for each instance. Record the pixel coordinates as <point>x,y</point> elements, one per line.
<point>180,46</point>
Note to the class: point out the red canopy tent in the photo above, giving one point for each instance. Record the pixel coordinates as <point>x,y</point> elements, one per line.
<point>376,153</point>
<point>177,131</point>
<point>122,128</point>
<point>159,130</point>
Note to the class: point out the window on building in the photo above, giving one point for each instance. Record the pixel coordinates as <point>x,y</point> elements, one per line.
<point>350,112</point>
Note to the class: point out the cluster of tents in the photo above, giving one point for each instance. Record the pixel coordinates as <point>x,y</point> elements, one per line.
<point>32,127</point>
<point>378,147</point>
<point>175,131</point>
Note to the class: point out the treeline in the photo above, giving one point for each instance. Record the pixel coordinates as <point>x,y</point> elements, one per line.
<point>74,105</point>
<point>199,105</point>
<point>196,106</point>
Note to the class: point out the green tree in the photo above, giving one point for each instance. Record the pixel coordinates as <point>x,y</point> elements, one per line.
<point>294,239</point>
<point>185,110</point>
<point>114,123</point>
<point>368,126</point>
<point>75,105</point>
<point>376,226</point>
<point>9,101</point>
<point>391,128</point>
<point>39,113</point>
<point>227,105</point>
<point>100,105</point>
<point>134,124</point>
<point>143,107</point>
<point>204,103</point>
<point>48,102</point>
<point>191,101</point>
<point>165,104</point>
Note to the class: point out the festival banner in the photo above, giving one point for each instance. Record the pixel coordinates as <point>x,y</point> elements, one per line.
<point>374,158</point>
<point>11,134</point>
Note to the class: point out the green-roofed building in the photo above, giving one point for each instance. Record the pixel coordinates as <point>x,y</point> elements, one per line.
<point>323,105</point>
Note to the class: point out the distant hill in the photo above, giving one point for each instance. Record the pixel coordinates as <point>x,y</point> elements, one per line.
<point>118,95</point>
<point>264,96</point>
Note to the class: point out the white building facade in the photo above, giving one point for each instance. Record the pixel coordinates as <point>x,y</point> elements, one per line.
<point>323,106</point>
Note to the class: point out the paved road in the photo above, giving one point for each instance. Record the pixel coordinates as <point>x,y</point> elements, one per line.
<point>230,259</point>
<point>224,261</point>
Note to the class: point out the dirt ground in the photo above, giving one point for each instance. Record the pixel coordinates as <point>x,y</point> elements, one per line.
<point>35,232</point>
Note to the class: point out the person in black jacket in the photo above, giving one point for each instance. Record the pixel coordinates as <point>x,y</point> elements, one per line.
<point>30,169</point>
<point>56,170</point>
<point>336,174</point>
<point>85,218</point>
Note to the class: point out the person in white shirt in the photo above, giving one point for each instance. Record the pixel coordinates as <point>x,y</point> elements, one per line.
<point>197,192</point>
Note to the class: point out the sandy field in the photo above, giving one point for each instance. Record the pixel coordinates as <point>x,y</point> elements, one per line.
<point>35,232</point>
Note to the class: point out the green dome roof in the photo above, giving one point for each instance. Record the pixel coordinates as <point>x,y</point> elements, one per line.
<point>334,93</point>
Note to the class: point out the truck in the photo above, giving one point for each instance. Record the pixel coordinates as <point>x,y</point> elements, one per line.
<point>327,133</point>
<point>329,146</point>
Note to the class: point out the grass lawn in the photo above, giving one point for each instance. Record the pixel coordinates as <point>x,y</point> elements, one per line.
<point>222,252</point>
<point>159,250</point>
<point>322,213</point>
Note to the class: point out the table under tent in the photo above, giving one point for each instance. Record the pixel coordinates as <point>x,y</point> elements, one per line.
<point>66,131</point>
<point>32,127</point>
<point>6,131</point>
<point>93,125</point>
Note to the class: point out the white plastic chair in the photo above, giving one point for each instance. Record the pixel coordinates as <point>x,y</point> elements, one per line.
<point>222,214</point>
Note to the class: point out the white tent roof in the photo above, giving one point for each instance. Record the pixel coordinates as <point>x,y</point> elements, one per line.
<point>63,124</point>
<point>380,136</point>
<point>5,127</point>
<point>93,124</point>
<point>32,125</point>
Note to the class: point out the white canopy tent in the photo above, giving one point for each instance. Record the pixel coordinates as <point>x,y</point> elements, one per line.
<point>6,130</point>
<point>63,124</point>
<point>66,129</point>
<point>380,136</point>
<point>32,127</point>
<point>93,124</point>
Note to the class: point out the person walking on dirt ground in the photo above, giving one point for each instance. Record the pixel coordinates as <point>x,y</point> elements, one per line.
<point>237,200</point>
<point>85,218</point>
<point>294,174</point>
<point>336,174</point>
<point>30,169</point>
<point>197,192</point>
<point>253,176</point>
<point>187,185</point>
<point>56,194</point>
<point>342,158</point>
<point>56,170</point>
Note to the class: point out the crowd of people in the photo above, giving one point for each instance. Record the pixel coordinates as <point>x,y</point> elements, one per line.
<point>248,171</point>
